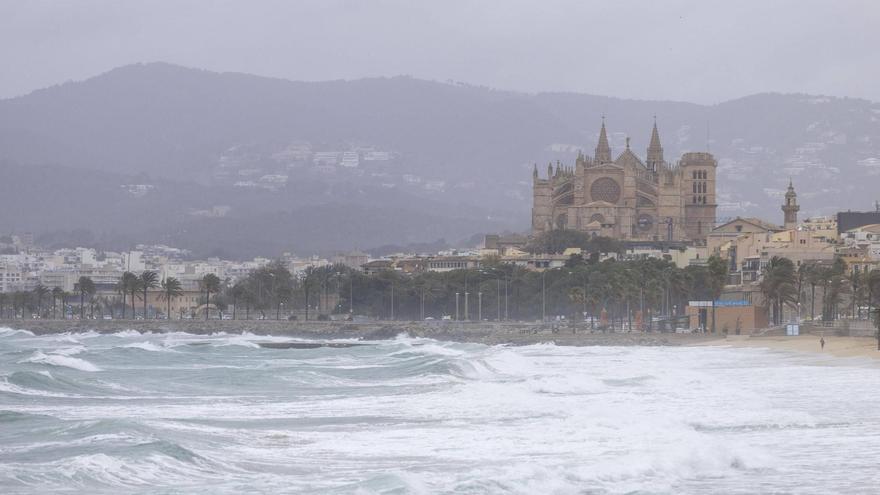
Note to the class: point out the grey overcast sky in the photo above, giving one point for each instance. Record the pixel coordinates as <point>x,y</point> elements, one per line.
<point>703,51</point>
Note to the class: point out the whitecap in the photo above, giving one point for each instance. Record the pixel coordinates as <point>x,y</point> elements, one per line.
<point>8,332</point>
<point>70,351</point>
<point>61,360</point>
<point>146,346</point>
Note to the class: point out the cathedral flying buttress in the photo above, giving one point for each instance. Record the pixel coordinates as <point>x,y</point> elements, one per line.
<point>626,198</point>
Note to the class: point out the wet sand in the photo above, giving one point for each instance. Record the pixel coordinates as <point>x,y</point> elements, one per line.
<point>834,346</point>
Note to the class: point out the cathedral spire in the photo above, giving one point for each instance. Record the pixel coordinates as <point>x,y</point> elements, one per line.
<point>655,150</point>
<point>603,151</point>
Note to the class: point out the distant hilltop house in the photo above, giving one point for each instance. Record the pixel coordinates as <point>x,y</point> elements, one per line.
<point>626,198</point>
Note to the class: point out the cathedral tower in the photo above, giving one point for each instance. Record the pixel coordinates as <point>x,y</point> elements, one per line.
<point>790,208</point>
<point>603,151</point>
<point>655,151</point>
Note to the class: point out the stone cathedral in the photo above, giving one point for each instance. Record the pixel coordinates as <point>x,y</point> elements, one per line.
<point>626,198</point>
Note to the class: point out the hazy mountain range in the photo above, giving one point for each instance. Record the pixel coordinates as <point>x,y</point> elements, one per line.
<point>240,165</point>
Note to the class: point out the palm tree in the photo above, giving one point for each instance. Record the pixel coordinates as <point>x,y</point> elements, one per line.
<point>131,283</point>
<point>873,283</point>
<point>779,285</point>
<point>3,298</point>
<point>171,288</point>
<point>148,280</point>
<point>86,287</point>
<point>309,276</point>
<point>237,292</point>
<point>122,288</point>
<point>211,284</point>
<point>40,291</point>
<point>57,292</point>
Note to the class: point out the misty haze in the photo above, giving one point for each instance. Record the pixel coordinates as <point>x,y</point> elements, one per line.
<point>439,247</point>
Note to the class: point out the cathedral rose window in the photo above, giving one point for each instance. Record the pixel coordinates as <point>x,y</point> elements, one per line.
<point>605,189</point>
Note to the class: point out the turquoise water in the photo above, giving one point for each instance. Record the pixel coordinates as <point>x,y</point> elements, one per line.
<point>180,413</point>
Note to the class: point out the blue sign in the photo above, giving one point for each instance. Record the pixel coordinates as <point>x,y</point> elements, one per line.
<point>729,304</point>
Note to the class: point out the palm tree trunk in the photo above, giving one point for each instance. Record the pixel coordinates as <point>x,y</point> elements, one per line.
<point>82,312</point>
<point>168,313</point>
<point>124,304</point>
<point>145,302</point>
<point>207,302</point>
<point>307,303</point>
<point>54,313</point>
<point>812,301</point>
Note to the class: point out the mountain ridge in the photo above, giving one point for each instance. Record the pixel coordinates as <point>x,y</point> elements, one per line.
<point>453,146</point>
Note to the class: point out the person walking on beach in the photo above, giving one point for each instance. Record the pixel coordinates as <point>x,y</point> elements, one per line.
<point>822,342</point>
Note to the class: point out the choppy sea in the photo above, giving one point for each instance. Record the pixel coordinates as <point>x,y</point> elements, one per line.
<point>181,413</point>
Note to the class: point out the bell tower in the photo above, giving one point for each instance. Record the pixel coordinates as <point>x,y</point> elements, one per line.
<point>790,208</point>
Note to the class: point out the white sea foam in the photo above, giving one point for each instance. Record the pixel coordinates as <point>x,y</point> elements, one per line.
<point>419,416</point>
<point>147,346</point>
<point>9,332</point>
<point>61,360</point>
<point>70,351</point>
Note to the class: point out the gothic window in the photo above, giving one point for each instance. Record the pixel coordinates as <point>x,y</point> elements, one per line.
<point>695,199</point>
<point>694,175</point>
<point>645,222</point>
<point>562,221</point>
<point>597,217</point>
<point>695,187</point>
<point>605,189</point>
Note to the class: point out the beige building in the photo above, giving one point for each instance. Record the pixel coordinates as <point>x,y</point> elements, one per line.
<point>749,243</point>
<point>626,198</point>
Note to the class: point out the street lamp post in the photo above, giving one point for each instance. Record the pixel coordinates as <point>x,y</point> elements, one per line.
<point>456,306</point>
<point>498,298</point>
<point>544,295</point>
<point>506,300</point>
<point>467,315</point>
<point>480,306</point>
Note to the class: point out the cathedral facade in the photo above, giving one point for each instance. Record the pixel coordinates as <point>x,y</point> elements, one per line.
<point>626,198</point>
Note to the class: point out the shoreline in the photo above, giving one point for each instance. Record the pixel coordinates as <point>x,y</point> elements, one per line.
<point>835,346</point>
<point>488,333</point>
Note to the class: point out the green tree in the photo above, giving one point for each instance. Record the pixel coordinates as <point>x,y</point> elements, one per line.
<point>57,293</point>
<point>171,288</point>
<point>873,283</point>
<point>40,291</point>
<point>148,280</point>
<point>779,285</point>
<point>130,283</point>
<point>86,287</point>
<point>211,285</point>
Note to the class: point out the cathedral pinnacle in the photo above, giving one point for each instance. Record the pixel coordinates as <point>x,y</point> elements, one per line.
<point>655,150</point>
<point>603,150</point>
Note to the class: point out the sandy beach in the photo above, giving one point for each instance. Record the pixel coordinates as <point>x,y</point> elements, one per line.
<point>834,346</point>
